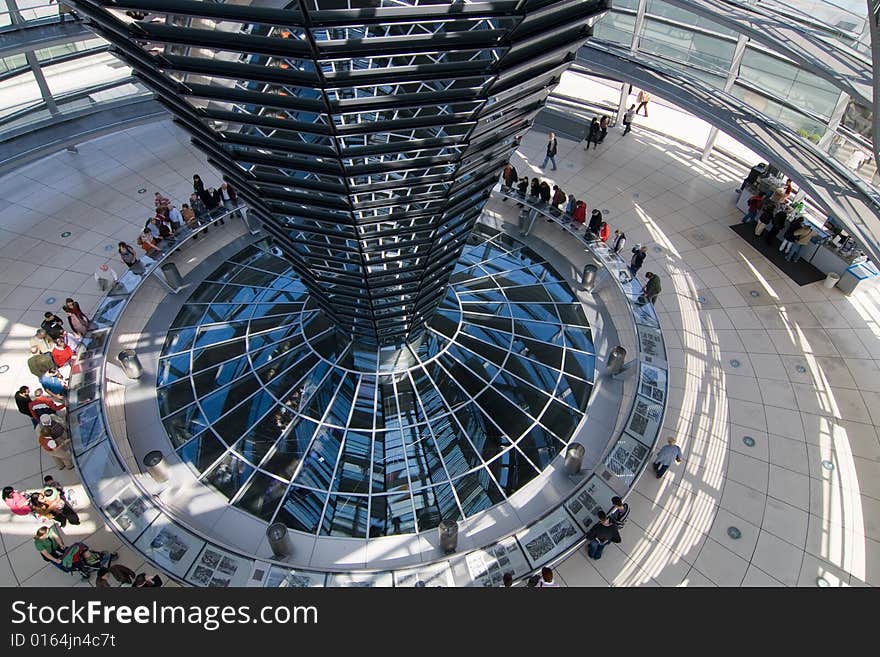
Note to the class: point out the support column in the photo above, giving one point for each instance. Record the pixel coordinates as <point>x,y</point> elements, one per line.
<point>34,65</point>
<point>833,122</point>
<point>732,74</point>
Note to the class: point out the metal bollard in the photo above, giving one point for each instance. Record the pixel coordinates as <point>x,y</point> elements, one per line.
<point>574,458</point>
<point>172,275</point>
<point>448,530</point>
<point>155,464</point>
<point>131,365</point>
<point>279,541</point>
<point>588,278</point>
<point>616,360</point>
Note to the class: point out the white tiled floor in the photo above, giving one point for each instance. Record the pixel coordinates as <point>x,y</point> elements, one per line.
<point>797,520</point>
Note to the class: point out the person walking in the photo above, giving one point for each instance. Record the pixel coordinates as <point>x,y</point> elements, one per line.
<point>551,152</point>
<point>601,534</point>
<point>755,203</point>
<point>670,453</point>
<point>619,241</point>
<point>593,133</point>
<point>619,512</point>
<point>547,580</point>
<point>652,287</point>
<point>802,237</point>
<point>78,320</point>
<point>628,119</point>
<point>638,259</point>
<point>643,99</point>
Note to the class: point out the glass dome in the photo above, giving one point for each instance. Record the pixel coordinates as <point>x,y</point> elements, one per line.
<point>293,422</point>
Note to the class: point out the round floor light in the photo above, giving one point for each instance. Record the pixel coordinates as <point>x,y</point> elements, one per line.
<point>748,441</point>
<point>734,533</point>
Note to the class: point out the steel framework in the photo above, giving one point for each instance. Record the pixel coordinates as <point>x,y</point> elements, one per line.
<point>366,136</point>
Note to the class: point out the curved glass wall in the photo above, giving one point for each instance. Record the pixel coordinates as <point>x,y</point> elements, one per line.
<point>41,85</point>
<point>768,81</point>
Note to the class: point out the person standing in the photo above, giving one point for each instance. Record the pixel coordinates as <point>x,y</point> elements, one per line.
<point>802,237</point>
<point>41,405</point>
<point>619,512</point>
<point>601,534</point>
<point>547,579</point>
<point>788,237</point>
<point>17,501</point>
<point>763,221</point>
<point>595,221</point>
<point>628,118</point>
<point>558,197</point>
<point>603,128</point>
<point>755,203</point>
<point>535,190</point>
<point>52,437</point>
<point>40,343</point>
<point>522,187</point>
<point>129,256</point>
<point>638,259</point>
<point>509,176</point>
<point>776,225</point>
<point>229,197</point>
<point>551,152</point>
<point>604,232</point>
<point>78,320</point>
<point>593,134</point>
<point>23,403</point>
<point>53,325</point>
<point>199,188</point>
<point>507,580</point>
<point>619,241</point>
<point>62,354</point>
<point>544,191</point>
<point>652,287</point>
<point>670,453</point>
<point>580,213</point>
<point>643,99</point>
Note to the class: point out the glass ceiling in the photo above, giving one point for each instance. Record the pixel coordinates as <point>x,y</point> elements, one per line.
<point>291,422</point>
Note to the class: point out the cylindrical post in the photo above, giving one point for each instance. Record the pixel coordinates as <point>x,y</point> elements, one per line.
<point>588,278</point>
<point>172,275</point>
<point>616,360</point>
<point>155,464</point>
<point>574,458</point>
<point>131,365</point>
<point>448,530</point>
<point>279,541</point>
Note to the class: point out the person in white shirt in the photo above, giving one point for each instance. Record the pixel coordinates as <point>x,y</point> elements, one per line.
<point>547,577</point>
<point>175,217</point>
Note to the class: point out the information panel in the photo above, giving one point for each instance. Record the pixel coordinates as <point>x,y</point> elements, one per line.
<point>549,537</point>
<point>488,565</point>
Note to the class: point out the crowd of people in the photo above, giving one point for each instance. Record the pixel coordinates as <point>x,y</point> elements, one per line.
<point>771,217</point>
<point>574,211</point>
<point>53,356</point>
<point>206,206</point>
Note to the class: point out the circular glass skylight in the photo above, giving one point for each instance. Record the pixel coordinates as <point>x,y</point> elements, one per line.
<point>292,422</point>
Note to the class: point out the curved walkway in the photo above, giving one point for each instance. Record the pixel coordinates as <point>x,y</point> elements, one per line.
<point>793,514</point>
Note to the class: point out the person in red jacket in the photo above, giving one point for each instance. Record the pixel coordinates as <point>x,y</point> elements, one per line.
<point>604,231</point>
<point>62,354</point>
<point>42,404</point>
<point>580,213</point>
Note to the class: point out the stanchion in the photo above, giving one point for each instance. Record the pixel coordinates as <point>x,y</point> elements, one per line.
<point>155,464</point>
<point>279,541</point>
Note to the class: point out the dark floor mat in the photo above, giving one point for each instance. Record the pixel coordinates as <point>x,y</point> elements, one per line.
<point>801,272</point>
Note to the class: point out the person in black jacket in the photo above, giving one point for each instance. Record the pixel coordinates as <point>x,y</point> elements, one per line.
<point>593,135</point>
<point>551,152</point>
<point>595,222</point>
<point>53,325</point>
<point>522,187</point>
<point>601,534</point>
<point>619,512</point>
<point>535,189</point>
<point>638,259</point>
<point>776,224</point>
<point>544,191</point>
